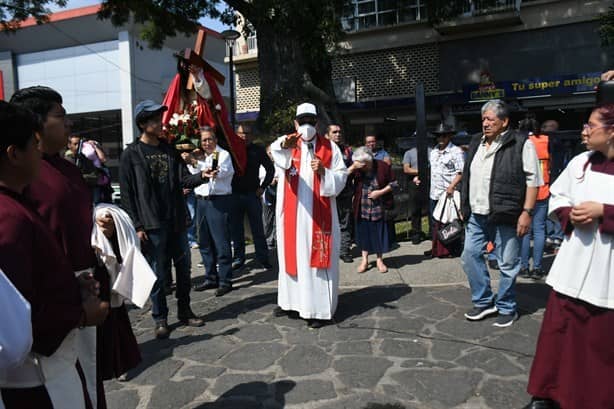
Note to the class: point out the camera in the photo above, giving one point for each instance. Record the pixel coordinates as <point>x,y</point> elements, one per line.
<point>605,93</point>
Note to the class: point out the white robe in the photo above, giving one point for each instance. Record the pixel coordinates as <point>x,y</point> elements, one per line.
<point>584,265</point>
<point>312,292</point>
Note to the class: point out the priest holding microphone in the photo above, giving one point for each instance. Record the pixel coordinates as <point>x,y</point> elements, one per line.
<point>308,234</point>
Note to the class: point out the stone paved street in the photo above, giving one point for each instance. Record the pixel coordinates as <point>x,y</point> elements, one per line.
<point>400,342</point>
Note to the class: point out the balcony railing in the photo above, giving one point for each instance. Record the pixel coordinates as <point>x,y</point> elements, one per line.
<point>482,7</point>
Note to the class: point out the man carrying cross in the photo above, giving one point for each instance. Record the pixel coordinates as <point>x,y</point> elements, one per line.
<point>308,235</point>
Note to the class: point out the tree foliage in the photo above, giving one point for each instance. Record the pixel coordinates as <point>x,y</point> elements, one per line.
<point>13,12</point>
<point>606,28</point>
<point>297,40</point>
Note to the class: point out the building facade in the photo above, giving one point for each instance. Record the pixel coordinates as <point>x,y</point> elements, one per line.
<point>102,71</point>
<point>542,56</point>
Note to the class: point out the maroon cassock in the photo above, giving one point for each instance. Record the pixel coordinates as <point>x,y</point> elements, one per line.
<point>64,202</point>
<point>36,265</point>
<point>574,358</point>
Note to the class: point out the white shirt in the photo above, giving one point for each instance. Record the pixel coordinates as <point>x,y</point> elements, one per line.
<point>445,165</point>
<point>222,183</point>
<point>481,172</point>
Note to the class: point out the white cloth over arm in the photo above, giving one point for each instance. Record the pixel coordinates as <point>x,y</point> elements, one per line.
<point>15,327</point>
<point>133,279</point>
<point>584,265</point>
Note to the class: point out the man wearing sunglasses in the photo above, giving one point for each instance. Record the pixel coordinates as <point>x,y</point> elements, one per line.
<point>308,235</point>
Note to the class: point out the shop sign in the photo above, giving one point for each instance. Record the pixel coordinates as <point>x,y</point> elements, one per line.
<point>533,87</point>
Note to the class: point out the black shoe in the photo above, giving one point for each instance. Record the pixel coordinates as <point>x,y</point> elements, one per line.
<point>280,312</point>
<point>190,319</point>
<point>492,263</point>
<point>222,291</point>
<point>524,273</point>
<point>347,258</point>
<point>205,286</point>
<point>505,320</point>
<point>478,313</point>
<point>237,264</point>
<point>428,253</point>
<point>265,264</point>
<point>538,274</point>
<point>417,238</point>
<point>315,324</point>
<point>542,404</point>
<point>161,330</point>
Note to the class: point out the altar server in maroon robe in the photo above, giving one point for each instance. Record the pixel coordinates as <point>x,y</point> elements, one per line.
<point>574,362</point>
<point>36,265</point>
<point>64,202</point>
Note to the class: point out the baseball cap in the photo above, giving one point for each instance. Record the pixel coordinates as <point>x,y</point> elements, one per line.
<point>305,109</point>
<point>148,106</point>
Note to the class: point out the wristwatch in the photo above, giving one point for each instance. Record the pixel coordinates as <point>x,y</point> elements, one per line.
<point>529,211</point>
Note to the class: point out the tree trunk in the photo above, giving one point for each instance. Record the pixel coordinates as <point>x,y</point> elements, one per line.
<point>285,79</point>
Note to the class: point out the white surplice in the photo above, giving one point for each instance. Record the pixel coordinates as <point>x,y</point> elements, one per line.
<point>312,292</point>
<point>584,265</point>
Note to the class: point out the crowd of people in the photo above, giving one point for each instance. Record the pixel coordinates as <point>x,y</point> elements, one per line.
<point>308,195</point>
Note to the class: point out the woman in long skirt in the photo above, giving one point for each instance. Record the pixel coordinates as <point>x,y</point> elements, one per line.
<point>574,362</point>
<point>373,186</point>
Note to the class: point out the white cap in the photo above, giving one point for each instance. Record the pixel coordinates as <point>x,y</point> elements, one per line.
<point>305,109</point>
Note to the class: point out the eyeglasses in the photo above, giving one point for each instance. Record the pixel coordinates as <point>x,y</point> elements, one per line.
<point>590,128</point>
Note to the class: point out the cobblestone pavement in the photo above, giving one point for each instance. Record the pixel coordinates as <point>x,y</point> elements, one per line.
<point>394,345</point>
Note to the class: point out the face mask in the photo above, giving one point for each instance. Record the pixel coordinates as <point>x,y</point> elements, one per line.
<point>307,132</point>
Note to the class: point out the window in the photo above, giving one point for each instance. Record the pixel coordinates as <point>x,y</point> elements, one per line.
<point>363,14</point>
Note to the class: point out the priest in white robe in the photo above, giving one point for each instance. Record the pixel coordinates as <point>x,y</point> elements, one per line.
<point>311,173</point>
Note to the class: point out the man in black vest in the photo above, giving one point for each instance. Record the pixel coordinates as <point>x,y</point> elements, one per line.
<point>498,194</point>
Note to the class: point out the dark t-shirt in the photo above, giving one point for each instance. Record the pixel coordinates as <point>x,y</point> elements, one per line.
<point>158,163</point>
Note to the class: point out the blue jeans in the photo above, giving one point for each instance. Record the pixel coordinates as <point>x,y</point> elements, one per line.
<point>251,204</point>
<point>190,200</point>
<point>537,231</point>
<point>214,239</point>
<point>478,233</point>
<point>163,244</point>
<point>554,229</point>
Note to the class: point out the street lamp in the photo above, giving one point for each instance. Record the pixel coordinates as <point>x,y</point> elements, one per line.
<point>230,36</point>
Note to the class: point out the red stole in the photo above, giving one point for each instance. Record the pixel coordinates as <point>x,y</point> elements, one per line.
<point>321,238</point>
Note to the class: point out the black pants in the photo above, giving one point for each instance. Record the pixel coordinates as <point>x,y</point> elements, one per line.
<point>346,224</point>
<point>268,221</point>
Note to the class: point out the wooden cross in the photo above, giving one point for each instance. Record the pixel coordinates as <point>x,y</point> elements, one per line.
<point>195,57</point>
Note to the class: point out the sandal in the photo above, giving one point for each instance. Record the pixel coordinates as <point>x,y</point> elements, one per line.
<point>362,268</point>
<point>382,268</point>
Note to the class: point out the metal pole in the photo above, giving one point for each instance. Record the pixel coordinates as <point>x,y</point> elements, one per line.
<point>232,84</point>
<point>421,136</point>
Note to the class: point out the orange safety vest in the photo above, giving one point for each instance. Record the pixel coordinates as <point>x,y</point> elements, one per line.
<point>541,147</point>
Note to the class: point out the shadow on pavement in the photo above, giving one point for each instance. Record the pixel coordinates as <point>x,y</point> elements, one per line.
<point>357,302</point>
<point>405,260</point>
<point>155,350</point>
<point>252,395</point>
<point>532,296</point>
<point>384,406</point>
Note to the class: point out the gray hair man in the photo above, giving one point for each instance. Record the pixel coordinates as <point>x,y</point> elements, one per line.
<point>498,194</point>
